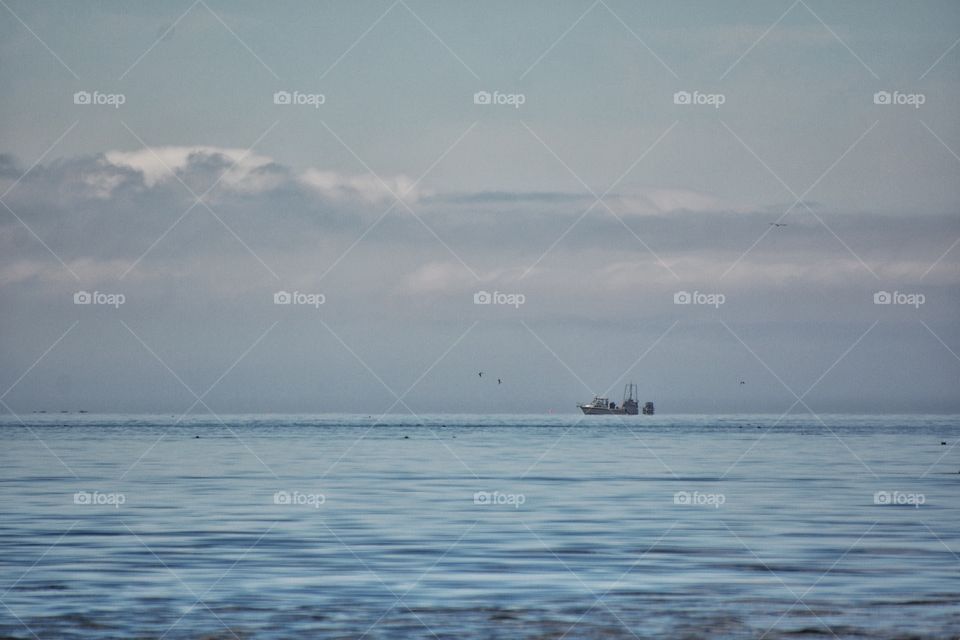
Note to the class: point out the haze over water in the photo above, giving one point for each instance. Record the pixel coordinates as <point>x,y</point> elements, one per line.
<point>480,527</point>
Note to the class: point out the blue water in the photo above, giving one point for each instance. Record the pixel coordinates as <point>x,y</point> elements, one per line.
<point>604,527</point>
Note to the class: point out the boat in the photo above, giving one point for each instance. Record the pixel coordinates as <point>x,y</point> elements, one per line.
<point>603,406</point>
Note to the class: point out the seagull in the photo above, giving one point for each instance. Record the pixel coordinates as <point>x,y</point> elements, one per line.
<point>499,381</point>
<point>480,374</point>
<point>778,224</point>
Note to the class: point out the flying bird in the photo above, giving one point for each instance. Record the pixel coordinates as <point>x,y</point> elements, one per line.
<point>499,381</point>
<point>778,224</point>
<point>480,374</point>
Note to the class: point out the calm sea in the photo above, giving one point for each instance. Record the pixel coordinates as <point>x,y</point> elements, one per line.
<point>479,527</point>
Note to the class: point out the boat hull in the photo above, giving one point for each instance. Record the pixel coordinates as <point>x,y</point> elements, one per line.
<point>601,411</point>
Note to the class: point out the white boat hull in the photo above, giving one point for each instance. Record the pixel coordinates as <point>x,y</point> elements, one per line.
<point>600,411</point>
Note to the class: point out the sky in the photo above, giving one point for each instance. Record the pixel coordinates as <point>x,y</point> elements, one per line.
<point>610,173</point>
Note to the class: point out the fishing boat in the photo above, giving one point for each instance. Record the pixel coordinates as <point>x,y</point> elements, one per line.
<point>603,406</point>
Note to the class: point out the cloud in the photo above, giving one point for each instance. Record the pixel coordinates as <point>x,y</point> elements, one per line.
<point>102,213</point>
<point>243,171</point>
<point>664,201</point>
<point>363,188</point>
<point>195,282</point>
<point>642,201</point>
<point>162,163</point>
<point>511,197</point>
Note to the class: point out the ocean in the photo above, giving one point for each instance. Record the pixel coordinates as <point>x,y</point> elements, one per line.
<point>497,526</point>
